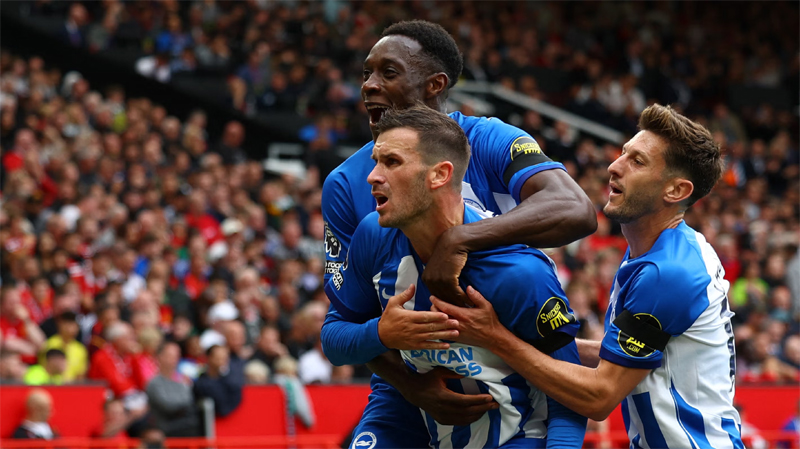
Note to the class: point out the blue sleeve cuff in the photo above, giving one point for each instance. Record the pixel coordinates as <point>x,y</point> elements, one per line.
<point>607,354</point>
<point>346,343</point>
<point>519,178</point>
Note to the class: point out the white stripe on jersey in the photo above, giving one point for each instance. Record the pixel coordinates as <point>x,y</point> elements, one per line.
<point>407,274</point>
<point>504,201</point>
<point>535,427</point>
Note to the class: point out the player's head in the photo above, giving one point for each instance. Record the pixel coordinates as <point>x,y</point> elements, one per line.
<point>420,153</point>
<point>414,61</point>
<point>671,162</point>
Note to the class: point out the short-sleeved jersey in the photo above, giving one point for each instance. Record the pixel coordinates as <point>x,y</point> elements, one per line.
<point>503,158</point>
<point>525,292</point>
<point>677,288</point>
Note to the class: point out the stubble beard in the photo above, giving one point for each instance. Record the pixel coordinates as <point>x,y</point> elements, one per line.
<point>417,203</point>
<point>633,207</point>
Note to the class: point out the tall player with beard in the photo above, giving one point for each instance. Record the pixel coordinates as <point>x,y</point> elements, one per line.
<point>418,62</point>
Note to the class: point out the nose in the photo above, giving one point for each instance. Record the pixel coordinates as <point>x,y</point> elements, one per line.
<point>375,177</point>
<point>370,85</point>
<point>615,169</point>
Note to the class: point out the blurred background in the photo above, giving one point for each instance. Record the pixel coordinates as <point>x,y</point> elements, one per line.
<point>161,176</point>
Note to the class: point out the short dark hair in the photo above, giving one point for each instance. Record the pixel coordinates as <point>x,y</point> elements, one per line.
<point>691,151</point>
<point>440,51</point>
<point>213,348</point>
<point>54,352</point>
<point>440,137</point>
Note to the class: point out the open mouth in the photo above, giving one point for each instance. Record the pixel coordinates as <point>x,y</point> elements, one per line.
<point>614,190</point>
<point>380,198</point>
<point>376,112</point>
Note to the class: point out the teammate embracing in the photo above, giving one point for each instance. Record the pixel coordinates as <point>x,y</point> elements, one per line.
<point>417,62</point>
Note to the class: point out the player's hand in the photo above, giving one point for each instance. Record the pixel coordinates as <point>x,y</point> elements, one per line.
<point>477,325</point>
<point>444,267</point>
<point>399,328</point>
<point>430,393</point>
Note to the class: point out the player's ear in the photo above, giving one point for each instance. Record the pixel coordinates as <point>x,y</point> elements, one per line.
<point>436,84</point>
<point>441,174</point>
<point>678,190</point>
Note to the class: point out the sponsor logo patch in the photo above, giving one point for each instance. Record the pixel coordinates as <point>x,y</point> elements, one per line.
<point>634,347</point>
<point>364,440</point>
<point>332,245</point>
<point>524,145</point>
<point>553,314</point>
<point>332,267</point>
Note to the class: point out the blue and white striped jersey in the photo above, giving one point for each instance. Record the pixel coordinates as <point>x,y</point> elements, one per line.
<point>503,158</point>
<point>687,400</point>
<point>522,285</point>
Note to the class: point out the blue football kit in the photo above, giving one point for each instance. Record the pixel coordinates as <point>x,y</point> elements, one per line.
<point>669,312</point>
<point>502,158</point>
<point>524,290</point>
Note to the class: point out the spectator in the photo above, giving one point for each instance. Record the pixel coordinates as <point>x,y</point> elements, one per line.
<point>234,333</point>
<point>12,369</point>
<point>256,372</point>
<point>115,421</point>
<point>73,31</point>
<point>222,381</point>
<point>19,333</point>
<point>65,340</point>
<point>50,372</point>
<point>299,404</point>
<point>218,315</point>
<point>114,364</point>
<point>269,347</point>
<point>38,409</point>
<point>230,147</point>
<point>170,396</point>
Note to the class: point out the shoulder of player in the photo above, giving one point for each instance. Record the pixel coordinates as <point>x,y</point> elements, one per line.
<point>511,263</point>
<point>352,166</point>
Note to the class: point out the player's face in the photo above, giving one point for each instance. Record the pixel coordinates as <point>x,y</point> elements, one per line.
<point>399,179</point>
<point>637,178</point>
<point>391,77</point>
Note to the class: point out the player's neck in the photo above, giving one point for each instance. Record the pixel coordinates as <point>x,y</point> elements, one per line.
<point>425,232</point>
<point>643,232</point>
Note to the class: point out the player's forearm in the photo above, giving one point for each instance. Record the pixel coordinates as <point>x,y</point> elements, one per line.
<point>346,343</point>
<point>549,218</point>
<point>391,368</point>
<point>589,351</point>
<point>576,387</point>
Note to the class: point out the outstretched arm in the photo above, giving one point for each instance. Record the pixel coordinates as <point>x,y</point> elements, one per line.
<point>591,392</point>
<point>554,211</point>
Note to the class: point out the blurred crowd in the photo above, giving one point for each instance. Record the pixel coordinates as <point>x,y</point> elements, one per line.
<point>138,252</point>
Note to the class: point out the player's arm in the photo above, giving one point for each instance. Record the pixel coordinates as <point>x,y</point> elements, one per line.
<point>592,392</point>
<point>552,211</point>
<point>589,352</point>
<point>565,428</point>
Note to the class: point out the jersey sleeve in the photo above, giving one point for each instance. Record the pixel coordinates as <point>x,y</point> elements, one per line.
<point>530,302</point>
<point>656,306</point>
<point>513,155</point>
<point>350,288</point>
<point>340,222</point>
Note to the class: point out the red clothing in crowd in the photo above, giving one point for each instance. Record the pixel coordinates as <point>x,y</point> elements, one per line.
<point>194,285</point>
<point>146,368</point>
<point>209,227</point>
<point>118,370</point>
<point>12,327</point>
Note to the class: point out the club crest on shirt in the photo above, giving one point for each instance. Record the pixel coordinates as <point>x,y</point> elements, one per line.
<point>364,440</point>
<point>524,145</point>
<point>633,347</point>
<point>332,245</point>
<point>553,314</point>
